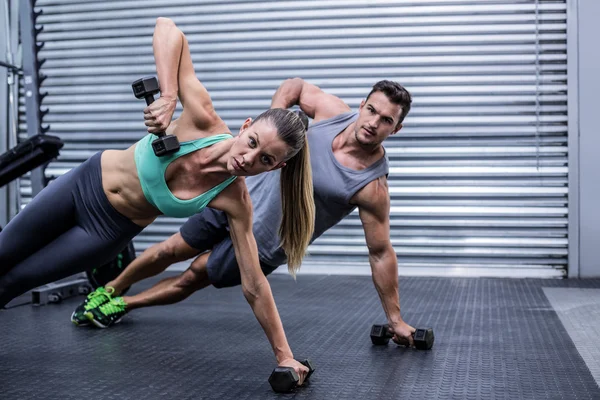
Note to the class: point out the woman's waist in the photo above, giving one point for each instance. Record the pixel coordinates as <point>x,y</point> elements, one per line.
<point>122,187</point>
<point>133,206</point>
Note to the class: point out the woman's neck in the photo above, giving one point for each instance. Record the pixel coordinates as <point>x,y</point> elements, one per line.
<point>214,160</point>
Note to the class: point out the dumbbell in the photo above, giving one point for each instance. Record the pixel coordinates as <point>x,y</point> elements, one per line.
<point>423,337</point>
<point>284,379</point>
<point>146,88</point>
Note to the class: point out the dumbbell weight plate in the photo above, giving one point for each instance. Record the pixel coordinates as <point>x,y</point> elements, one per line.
<point>424,338</point>
<point>380,335</point>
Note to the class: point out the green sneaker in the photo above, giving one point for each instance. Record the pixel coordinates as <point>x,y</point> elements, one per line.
<point>95,299</point>
<point>107,314</point>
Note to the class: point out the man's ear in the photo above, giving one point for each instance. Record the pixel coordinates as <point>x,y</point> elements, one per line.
<point>362,104</point>
<point>398,127</point>
<point>246,124</point>
<point>279,166</point>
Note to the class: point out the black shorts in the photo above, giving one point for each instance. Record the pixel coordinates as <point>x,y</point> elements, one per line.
<point>209,231</point>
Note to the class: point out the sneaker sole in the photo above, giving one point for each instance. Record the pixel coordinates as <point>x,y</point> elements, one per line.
<point>76,322</point>
<point>90,317</point>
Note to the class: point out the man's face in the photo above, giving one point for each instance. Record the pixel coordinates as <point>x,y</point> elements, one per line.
<point>378,118</point>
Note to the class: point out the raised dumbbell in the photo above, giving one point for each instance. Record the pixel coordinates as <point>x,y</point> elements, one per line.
<point>423,337</point>
<point>146,88</point>
<point>285,379</point>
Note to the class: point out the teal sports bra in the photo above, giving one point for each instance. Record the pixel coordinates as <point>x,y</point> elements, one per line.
<point>151,172</point>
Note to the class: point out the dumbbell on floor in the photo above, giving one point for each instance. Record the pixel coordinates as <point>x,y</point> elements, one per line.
<point>423,337</point>
<point>284,379</point>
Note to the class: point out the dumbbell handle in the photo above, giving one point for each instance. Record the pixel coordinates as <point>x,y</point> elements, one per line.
<point>308,365</point>
<point>388,334</point>
<point>423,336</point>
<point>149,100</point>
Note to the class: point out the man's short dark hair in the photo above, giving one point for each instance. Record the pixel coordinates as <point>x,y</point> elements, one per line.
<point>396,93</point>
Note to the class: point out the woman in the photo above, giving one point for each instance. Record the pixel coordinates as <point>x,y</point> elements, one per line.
<point>85,217</point>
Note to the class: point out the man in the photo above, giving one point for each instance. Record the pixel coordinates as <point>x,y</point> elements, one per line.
<point>349,170</point>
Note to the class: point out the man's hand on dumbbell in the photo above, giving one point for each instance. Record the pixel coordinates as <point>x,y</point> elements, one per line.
<point>158,115</point>
<point>402,333</point>
<point>422,338</point>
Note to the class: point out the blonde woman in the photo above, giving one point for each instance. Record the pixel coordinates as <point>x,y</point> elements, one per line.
<point>85,217</point>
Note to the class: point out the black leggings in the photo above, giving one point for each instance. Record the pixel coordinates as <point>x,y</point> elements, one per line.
<point>68,227</point>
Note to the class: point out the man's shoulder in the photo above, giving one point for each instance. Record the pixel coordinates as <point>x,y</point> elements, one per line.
<point>346,116</point>
<point>374,194</point>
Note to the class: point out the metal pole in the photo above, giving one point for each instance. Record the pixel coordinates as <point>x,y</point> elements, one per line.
<point>14,198</point>
<point>4,212</point>
<point>573,137</point>
<point>30,84</point>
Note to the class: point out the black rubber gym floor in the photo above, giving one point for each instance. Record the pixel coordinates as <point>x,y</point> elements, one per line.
<point>494,339</point>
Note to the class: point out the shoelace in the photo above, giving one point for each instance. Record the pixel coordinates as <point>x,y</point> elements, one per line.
<point>112,307</point>
<point>96,298</point>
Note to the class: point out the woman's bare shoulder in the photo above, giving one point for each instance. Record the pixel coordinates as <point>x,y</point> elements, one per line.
<point>234,199</point>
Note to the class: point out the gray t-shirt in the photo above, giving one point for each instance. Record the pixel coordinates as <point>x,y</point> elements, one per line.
<point>334,186</point>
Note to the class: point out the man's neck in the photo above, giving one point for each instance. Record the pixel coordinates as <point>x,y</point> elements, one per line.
<point>350,145</point>
<point>350,153</point>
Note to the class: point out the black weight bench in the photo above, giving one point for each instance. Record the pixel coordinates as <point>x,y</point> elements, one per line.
<point>28,155</point>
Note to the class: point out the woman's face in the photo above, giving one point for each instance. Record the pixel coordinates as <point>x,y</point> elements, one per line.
<point>256,149</point>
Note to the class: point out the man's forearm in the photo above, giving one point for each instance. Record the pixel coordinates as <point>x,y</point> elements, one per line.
<point>288,94</point>
<point>263,305</point>
<point>167,44</point>
<point>384,269</point>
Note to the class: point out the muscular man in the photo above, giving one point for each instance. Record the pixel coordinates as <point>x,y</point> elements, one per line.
<point>349,170</point>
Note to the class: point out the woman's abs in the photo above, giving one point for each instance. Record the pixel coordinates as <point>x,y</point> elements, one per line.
<point>122,187</point>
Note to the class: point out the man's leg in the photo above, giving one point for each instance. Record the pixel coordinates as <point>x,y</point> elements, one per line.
<point>198,234</point>
<point>218,268</point>
<point>153,261</point>
<point>173,289</point>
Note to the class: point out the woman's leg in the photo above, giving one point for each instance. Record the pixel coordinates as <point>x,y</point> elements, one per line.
<point>70,253</point>
<point>47,216</point>
<point>90,232</point>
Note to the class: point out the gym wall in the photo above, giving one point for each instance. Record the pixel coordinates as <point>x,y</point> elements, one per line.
<point>479,173</point>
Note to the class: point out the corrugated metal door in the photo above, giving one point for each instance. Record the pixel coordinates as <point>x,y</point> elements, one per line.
<point>479,173</point>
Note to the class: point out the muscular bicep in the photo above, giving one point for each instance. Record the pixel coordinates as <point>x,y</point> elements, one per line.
<point>374,212</point>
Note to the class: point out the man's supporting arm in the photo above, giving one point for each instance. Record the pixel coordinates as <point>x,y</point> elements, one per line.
<point>374,210</point>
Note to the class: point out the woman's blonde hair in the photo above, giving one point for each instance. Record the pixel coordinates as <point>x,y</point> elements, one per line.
<point>297,201</point>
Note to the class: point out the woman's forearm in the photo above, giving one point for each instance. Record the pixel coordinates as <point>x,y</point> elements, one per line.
<point>255,286</point>
<point>167,44</point>
<point>263,305</point>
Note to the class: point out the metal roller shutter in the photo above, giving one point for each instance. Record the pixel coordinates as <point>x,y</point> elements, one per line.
<point>479,173</point>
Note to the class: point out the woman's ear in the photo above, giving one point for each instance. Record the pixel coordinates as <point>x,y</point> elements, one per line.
<point>279,166</point>
<point>246,124</point>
